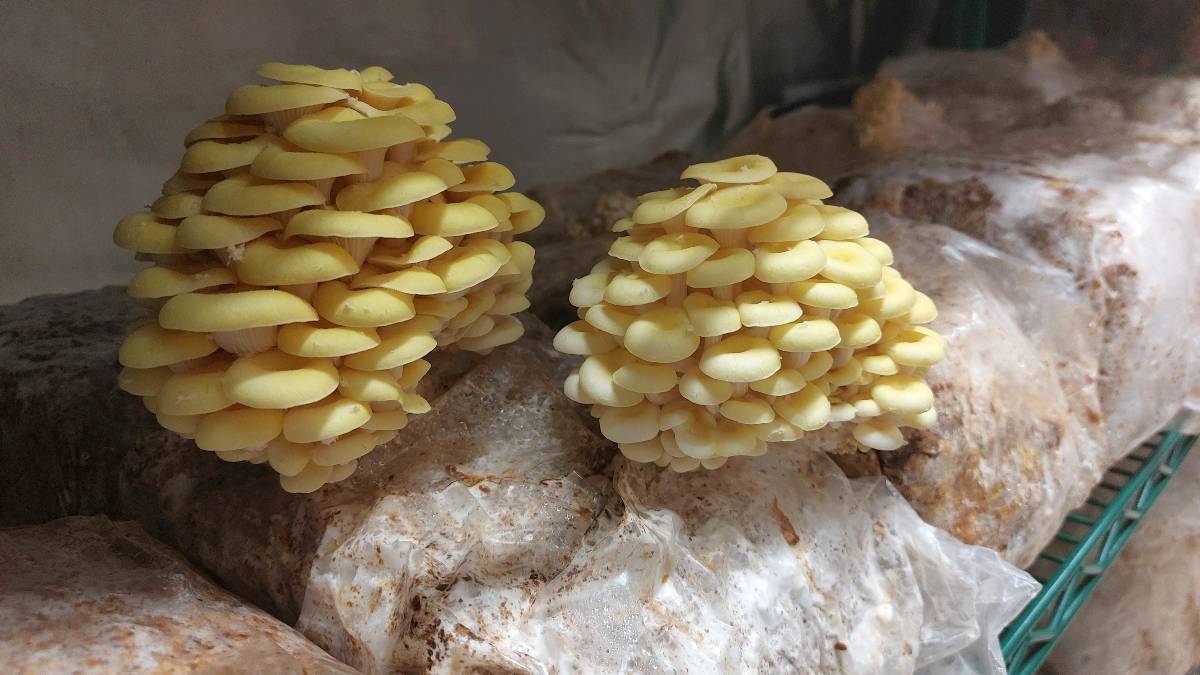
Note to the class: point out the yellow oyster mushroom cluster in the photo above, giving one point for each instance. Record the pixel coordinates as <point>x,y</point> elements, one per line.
<point>317,241</point>
<point>745,311</point>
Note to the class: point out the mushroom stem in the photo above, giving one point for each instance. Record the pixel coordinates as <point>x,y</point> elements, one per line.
<point>373,160</point>
<point>739,389</point>
<point>302,291</point>
<point>779,289</point>
<point>280,119</point>
<point>403,153</point>
<point>325,185</point>
<point>796,359</point>
<point>678,290</point>
<point>841,355</point>
<point>247,340</point>
<point>358,247</point>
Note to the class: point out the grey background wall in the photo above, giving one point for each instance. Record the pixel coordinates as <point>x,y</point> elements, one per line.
<point>95,97</point>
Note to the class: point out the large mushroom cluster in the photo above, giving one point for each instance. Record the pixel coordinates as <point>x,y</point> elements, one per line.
<point>317,241</point>
<point>745,311</point>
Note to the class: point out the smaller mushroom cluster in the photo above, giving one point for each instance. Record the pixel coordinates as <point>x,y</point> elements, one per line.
<point>316,242</point>
<point>745,311</point>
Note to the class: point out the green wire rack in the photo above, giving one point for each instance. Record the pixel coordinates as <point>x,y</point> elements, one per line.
<point>1090,539</point>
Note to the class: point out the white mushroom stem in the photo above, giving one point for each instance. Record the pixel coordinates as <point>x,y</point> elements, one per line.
<point>373,160</point>
<point>303,291</point>
<point>383,406</point>
<point>280,119</point>
<point>833,314</point>
<point>710,341</point>
<point>906,370</point>
<point>796,359</point>
<point>678,290</point>
<point>739,389</point>
<point>403,153</point>
<point>841,355</point>
<point>663,398</point>
<point>325,185</point>
<point>779,289</point>
<point>285,216</point>
<point>358,247</point>
<point>399,211</point>
<point>246,341</point>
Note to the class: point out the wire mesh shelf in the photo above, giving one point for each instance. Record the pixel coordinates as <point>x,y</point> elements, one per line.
<point>1086,545</point>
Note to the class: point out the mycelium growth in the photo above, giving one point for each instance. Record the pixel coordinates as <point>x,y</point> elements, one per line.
<point>317,241</point>
<point>745,311</point>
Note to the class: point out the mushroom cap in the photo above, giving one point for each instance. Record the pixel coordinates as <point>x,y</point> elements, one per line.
<point>676,252</point>
<point>399,347</point>
<point>419,250</point>
<point>270,262</point>
<point>645,451</point>
<point>213,156</point>
<point>777,430</point>
<point>759,308</point>
<point>902,394</point>
<point>788,262</point>
<point>858,330</point>
<point>658,207</point>
<point>176,206</point>
<point>743,169</point>
<point>182,182</point>
<point>349,224</point>
<point>363,308</point>
<point>799,186</point>
<point>799,222</point>
<point>369,385</point>
<point>845,375</point>
<point>451,220</point>
<point>632,424</point>
<point>610,319</point>
<point>339,130</point>
<point>918,348</point>
<point>806,335</point>
<point>223,130</point>
<point>238,429</point>
<point>748,411</point>
<point>486,177</point>
<point>277,162</point>
<point>143,233</point>
<point>274,379</point>
<point>842,223</point>
<point>329,418</point>
<point>582,339</point>
<point>632,287</point>
<point>338,78</point>
<point>738,207</point>
<point>247,195</point>
<point>429,113</point>
<point>151,346</point>
<point>310,479</point>
<point>881,251</point>
<point>143,381</point>
<point>701,389</point>
<point>878,434</point>
<point>786,381</point>
<point>195,392</point>
<point>450,174</point>
<point>850,264</point>
<point>288,458</point>
<point>162,282</point>
<point>349,447</point>
<point>817,365</point>
<point>509,302</point>
<point>823,294</point>
<point>411,280</point>
<point>878,364</point>
<point>236,310</point>
<point>923,309</point>
<point>711,316</point>
<point>590,290</point>
<point>506,329</point>
<point>180,424</point>
<point>662,335</point>
<point>596,380</point>
<point>459,151</point>
<point>740,358</point>
<point>629,247</point>
<point>395,187</point>
<point>255,99</point>
<point>309,340</point>
<point>525,214</point>
<point>387,420</point>
<point>897,301</point>
<point>204,231</point>
<point>468,265</point>
<point>726,266</point>
<point>646,378</point>
<point>808,409</point>
<point>386,95</point>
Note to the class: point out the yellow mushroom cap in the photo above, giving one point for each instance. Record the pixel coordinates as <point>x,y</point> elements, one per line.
<point>799,186</point>
<point>338,78</point>
<point>269,262</point>
<point>743,169</point>
<point>817,365</point>
<point>468,265</point>
<point>660,207</point>
<point>389,95</point>
<point>254,99</point>
<point>161,282</point>
<point>676,252</point>
<point>368,307</point>
<point>430,113</point>
<point>398,347</point>
<point>450,174</point>
<point>759,308</point>
<point>274,379</point>
<point>324,420</point>
<point>596,380</point>
<point>176,206</point>
<point>738,207</point>
<point>632,424</point>
<point>387,420</point>
<point>195,392</point>
<point>916,348</point>
<point>878,434</point>
<point>143,233</point>
<point>369,385</point>
<point>582,339</point>
<point>633,287</point>
<point>662,335</point>
<point>182,182</point>
<point>902,394</point>
<point>302,339</point>
<point>807,409</point>
<point>336,130</point>
<point>740,358</point>
<point>806,335</point>
<point>784,263</point>
<point>726,266</point>
<point>213,156</point>
<point>897,301</point>
<point>610,319</point>
<point>857,330</point>
<point>701,389</point>
<point>459,151</point>
<point>850,264</point>
<point>411,280</point>
<point>222,129</point>
<point>349,224</point>
<point>248,195</point>
<point>143,381</point>
<point>748,411</point>
<point>395,187</point>
<point>238,310</point>
<point>646,378</point>
<point>505,329</point>
<point>238,429</point>
<point>823,294</point>
<point>310,479</point>
<point>486,177</point>
<point>203,231</point>
<point>151,346</point>
<point>923,309</point>
<point>881,251</point>
<point>799,222</point>
<point>288,458</point>
<point>645,451</point>
<point>710,316</point>
<point>842,223</point>
<point>878,364</point>
<point>349,447</point>
<point>279,163</point>
<point>786,381</point>
<point>419,250</point>
<point>449,220</point>
<point>180,424</point>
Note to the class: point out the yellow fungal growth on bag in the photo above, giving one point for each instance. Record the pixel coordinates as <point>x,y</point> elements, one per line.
<point>317,241</point>
<point>745,311</point>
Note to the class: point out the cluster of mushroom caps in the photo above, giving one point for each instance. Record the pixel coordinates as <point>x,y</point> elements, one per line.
<point>745,311</point>
<point>317,241</point>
